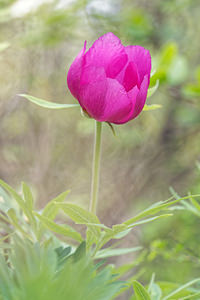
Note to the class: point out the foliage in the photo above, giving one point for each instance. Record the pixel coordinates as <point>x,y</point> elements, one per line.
<point>27,235</point>
<point>29,270</point>
<point>32,224</point>
<point>167,291</point>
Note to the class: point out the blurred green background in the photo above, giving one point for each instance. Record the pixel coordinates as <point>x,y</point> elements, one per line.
<point>52,150</point>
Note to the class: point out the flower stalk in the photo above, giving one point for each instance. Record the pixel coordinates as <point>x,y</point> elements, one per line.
<point>96,167</point>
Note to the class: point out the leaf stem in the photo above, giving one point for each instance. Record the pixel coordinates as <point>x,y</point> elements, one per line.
<point>96,167</point>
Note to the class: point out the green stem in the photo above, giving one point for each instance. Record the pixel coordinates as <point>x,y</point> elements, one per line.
<point>96,167</point>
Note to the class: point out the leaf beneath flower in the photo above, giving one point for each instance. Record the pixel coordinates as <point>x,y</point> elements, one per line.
<point>152,90</point>
<point>47,104</point>
<point>151,107</point>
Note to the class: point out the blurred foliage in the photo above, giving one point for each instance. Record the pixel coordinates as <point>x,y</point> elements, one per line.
<point>34,271</point>
<point>52,149</point>
<point>34,263</point>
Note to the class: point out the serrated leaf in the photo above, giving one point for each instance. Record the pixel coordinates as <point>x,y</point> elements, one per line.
<point>47,104</point>
<point>140,292</point>
<point>63,230</point>
<point>81,216</point>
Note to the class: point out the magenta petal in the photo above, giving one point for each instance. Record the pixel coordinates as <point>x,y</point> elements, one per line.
<point>107,52</point>
<point>93,90</point>
<point>142,58</point>
<point>131,77</point>
<point>132,94</point>
<point>117,102</point>
<point>92,74</point>
<point>141,97</point>
<point>74,73</point>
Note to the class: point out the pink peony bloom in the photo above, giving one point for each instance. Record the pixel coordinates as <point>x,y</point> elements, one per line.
<point>110,81</point>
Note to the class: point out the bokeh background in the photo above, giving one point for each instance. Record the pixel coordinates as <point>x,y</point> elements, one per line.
<point>52,150</point>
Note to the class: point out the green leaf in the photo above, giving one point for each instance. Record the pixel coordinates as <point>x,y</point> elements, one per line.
<point>185,286</point>
<point>109,252</point>
<point>18,199</point>
<point>78,214</point>
<point>90,239</point>
<point>63,230</point>
<point>151,282</point>
<point>151,107</point>
<point>28,197</point>
<point>153,89</point>
<point>156,292</point>
<point>168,54</point>
<point>3,217</point>
<point>140,292</point>
<point>12,215</point>
<point>155,208</point>
<point>51,209</point>
<point>122,234</point>
<point>195,203</point>
<point>80,252</point>
<point>47,104</point>
<point>112,128</point>
<point>10,190</point>
<point>81,216</point>
<point>178,71</point>
<point>149,220</point>
<point>193,206</point>
<point>62,253</point>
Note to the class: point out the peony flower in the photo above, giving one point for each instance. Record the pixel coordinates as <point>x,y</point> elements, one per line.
<point>110,81</point>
